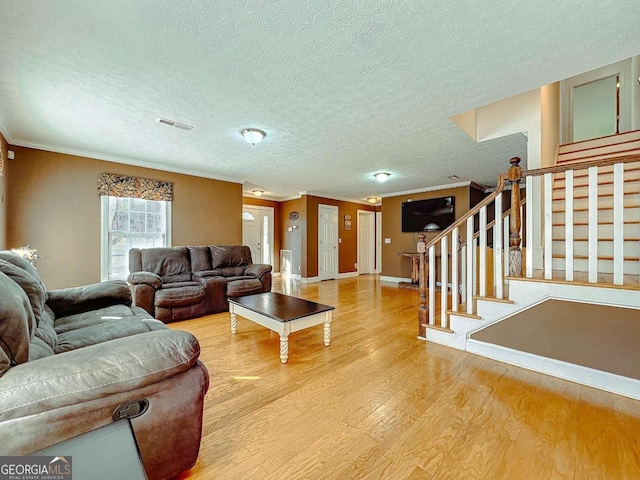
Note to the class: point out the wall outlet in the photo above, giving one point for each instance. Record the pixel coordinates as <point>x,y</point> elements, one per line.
<point>387,240</point>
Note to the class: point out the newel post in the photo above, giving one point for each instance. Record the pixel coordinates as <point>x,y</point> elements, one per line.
<point>515,253</point>
<point>422,310</point>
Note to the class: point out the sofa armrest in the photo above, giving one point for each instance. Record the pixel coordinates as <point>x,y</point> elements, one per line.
<point>95,372</point>
<point>258,269</point>
<point>74,300</point>
<point>145,278</point>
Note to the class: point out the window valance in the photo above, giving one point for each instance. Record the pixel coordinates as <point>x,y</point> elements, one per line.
<point>136,187</point>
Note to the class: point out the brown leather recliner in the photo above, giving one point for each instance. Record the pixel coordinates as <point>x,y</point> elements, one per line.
<point>175,283</point>
<point>70,357</point>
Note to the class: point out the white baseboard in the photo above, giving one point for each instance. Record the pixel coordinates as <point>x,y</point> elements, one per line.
<point>309,279</point>
<point>628,387</point>
<point>348,275</point>
<point>384,278</point>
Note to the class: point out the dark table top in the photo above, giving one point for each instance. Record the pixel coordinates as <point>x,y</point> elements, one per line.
<point>283,308</point>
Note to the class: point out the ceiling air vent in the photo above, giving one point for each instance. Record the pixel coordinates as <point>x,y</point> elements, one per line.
<point>172,123</point>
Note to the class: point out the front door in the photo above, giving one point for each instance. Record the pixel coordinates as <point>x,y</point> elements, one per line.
<point>257,232</point>
<point>327,242</point>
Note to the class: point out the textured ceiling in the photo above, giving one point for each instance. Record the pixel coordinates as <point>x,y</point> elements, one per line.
<point>342,88</point>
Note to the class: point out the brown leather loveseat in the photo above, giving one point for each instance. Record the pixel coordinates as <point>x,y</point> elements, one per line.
<point>175,283</point>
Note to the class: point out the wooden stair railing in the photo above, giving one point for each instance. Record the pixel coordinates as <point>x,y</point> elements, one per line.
<point>468,268</point>
<point>463,271</point>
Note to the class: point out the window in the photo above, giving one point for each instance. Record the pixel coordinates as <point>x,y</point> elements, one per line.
<point>131,223</point>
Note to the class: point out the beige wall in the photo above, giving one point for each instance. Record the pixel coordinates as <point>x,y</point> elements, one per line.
<point>3,195</point>
<point>348,246</point>
<point>392,264</point>
<point>549,124</point>
<point>53,206</point>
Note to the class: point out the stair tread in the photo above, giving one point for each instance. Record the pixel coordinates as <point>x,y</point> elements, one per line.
<point>586,209</point>
<point>464,314</point>
<point>600,239</point>
<point>603,257</point>
<point>437,327</point>
<point>600,222</point>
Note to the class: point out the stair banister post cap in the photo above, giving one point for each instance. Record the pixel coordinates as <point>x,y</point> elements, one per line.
<point>515,172</point>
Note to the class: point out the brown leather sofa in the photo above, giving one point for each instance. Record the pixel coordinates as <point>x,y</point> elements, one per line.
<point>175,283</point>
<point>70,358</point>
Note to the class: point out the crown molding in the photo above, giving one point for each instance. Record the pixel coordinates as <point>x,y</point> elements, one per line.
<point>431,189</point>
<point>124,161</point>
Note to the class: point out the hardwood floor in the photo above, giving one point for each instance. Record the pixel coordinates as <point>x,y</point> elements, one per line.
<point>381,404</point>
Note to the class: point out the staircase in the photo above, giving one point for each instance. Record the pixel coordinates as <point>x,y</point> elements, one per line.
<point>603,187</point>
<point>580,233</point>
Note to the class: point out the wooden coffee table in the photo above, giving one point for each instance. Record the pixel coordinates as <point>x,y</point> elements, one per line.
<point>282,314</point>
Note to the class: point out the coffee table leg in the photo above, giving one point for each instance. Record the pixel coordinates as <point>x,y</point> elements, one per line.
<point>234,323</point>
<point>284,348</point>
<point>327,330</point>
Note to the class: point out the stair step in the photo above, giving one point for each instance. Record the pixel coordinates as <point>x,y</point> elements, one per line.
<point>600,208</point>
<point>464,314</point>
<point>600,222</point>
<point>600,195</point>
<point>599,142</point>
<point>600,239</point>
<point>436,327</point>
<point>493,299</point>
<point>586,257</point>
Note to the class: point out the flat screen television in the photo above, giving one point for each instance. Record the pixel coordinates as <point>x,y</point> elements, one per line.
<point>429,215</point>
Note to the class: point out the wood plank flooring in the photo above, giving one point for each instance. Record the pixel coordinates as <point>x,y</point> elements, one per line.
<point>381,404</point>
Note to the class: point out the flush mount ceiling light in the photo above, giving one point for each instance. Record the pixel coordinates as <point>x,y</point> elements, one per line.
<point>382,176</point>
<point>257,192</point>
<point>372,199</point>
<point>253,135</point>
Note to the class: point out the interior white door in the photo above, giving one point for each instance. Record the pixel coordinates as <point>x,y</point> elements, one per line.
<point>327,242</point>
<point>378,242</point>
<point>251,231</point>
<point>366,242</point>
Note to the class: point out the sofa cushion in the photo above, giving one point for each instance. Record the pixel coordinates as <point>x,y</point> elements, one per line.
<point>15,259</point>
<point>231,271</point>
<point>229,256</point>
<point>40,349</point>
<point>200,258</point>
<point>113,313</point>
<point>16,324</point>
<point>31,285</point>
<point>46,331</point>
<point>181,284</point>
<point>99,333</point>
<point>244,286</point>
<point>171,264</point>
<point>175,297</point>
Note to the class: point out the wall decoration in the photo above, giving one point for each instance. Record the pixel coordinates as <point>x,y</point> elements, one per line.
<point>347,222</point>
<point>293,216</point>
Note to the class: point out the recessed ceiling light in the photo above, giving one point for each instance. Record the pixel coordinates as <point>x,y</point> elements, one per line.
<point>257,192</point>
<point>253,135</point>
<point>382,176</point>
